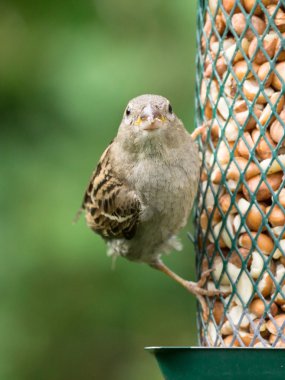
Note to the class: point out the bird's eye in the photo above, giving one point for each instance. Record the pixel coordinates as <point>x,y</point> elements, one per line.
<point>169,108</point>
<point>128,111</point>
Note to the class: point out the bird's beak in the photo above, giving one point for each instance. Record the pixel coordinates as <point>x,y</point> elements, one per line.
<point>150,118</point>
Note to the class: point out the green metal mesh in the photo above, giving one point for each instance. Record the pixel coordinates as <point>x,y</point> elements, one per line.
<point>240,214</point>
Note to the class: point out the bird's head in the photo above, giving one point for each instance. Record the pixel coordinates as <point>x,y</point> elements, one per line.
<point>148,119</point>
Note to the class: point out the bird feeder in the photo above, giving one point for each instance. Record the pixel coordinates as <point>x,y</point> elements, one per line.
<point>240,212</point>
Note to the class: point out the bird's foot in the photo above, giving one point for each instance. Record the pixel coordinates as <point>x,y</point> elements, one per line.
<point>199,131</point>
<point>197,289</point>
<point>201,283</point>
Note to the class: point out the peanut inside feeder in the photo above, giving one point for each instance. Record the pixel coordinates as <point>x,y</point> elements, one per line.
<point>240,213</point>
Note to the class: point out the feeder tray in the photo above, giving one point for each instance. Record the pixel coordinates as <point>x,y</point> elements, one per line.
<point>202,363</point>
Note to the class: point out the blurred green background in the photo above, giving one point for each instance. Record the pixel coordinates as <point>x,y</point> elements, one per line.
<point>67,70</point>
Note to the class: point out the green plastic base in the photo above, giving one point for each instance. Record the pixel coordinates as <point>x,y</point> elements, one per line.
<point>187,363</point>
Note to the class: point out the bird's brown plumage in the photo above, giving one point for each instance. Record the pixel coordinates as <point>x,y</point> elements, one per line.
<point>112,207</point>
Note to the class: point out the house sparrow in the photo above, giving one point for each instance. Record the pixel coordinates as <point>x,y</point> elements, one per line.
<point>143,189</point>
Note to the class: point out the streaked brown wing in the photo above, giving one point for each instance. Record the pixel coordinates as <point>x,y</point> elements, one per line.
<point>112,209</point>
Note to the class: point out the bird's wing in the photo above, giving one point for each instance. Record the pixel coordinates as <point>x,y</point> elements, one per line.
<point>112,208</point>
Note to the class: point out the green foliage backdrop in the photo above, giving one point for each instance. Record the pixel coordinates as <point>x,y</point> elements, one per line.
<point>67,70</point>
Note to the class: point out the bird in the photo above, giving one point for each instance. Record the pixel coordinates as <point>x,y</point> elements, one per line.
<point>143,188</point>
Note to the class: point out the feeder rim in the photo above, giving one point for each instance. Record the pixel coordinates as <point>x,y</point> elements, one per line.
<point>154,349</point>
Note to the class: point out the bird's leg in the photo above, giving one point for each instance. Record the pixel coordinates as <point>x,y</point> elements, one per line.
<point>195,288</point>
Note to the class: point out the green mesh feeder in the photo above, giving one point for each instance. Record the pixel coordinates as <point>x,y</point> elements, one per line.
<point>240,211</point>
<point>240,214</point>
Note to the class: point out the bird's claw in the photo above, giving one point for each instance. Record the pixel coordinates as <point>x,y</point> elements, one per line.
<point>202,281</point>
<point>200,131</point>
<point>204,277</point>
<point>200,292</point>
